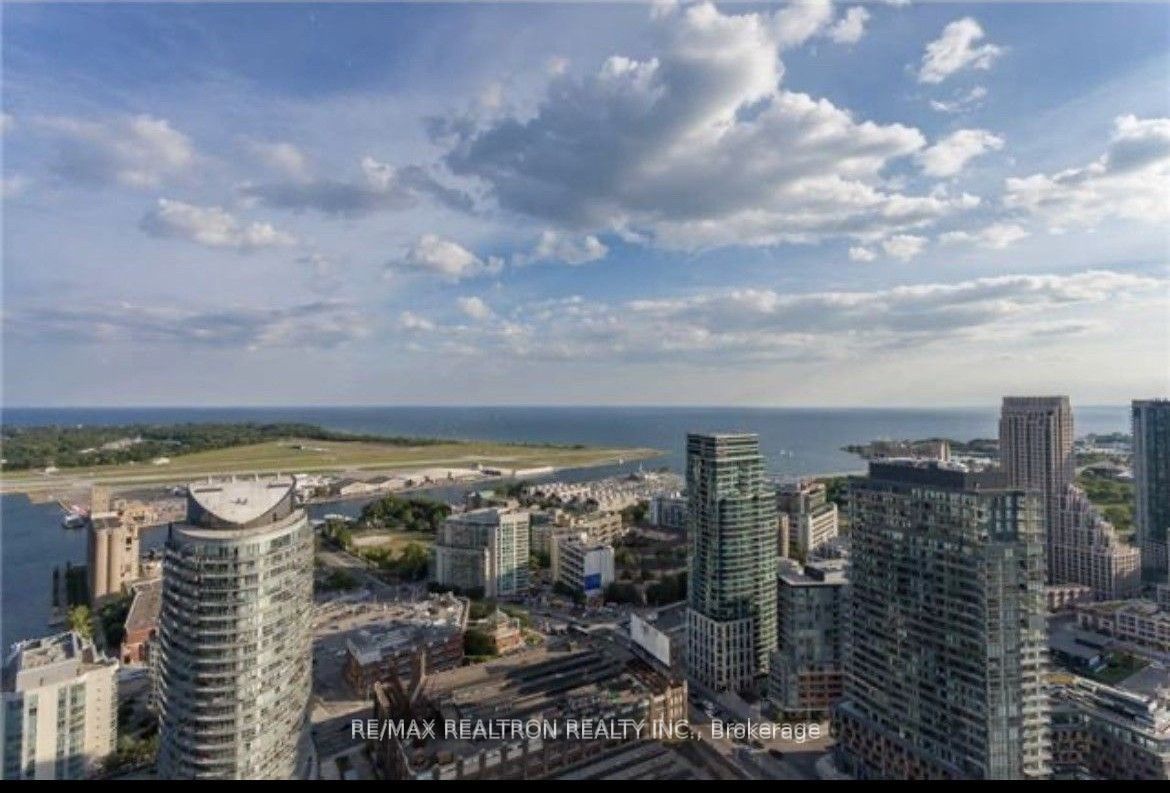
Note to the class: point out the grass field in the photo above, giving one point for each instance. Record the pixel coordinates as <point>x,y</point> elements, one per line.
<point>394,541</point>
<point>307,456</point>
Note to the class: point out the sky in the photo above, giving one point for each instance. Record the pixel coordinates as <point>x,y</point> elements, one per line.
<point>814,203</point>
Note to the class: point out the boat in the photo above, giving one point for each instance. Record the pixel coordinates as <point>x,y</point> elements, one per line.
<point>75,517</point>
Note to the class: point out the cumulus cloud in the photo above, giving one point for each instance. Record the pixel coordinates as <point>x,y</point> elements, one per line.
<point>763,324</point>
<point>212,227</point>
<point>903,246</point>
<point>411,322</point>
<point>1130,181</point>
<point>800,20</point>
<point>381,187</point>
<point>557,246</point>
<point>134,151</point>
<point>474,307</point>
<point>321,324</point>
<point>996,236</point>
<point>697,146</point>
<point>281,157</point>
<point>851,27</point>
<point>447,259</point>
<point>859,254</point>
<point>950,155</point>
<point>962,102</point>
<point>957,49</point>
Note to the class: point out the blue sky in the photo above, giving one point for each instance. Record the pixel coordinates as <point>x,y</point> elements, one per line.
<point>805,204</point>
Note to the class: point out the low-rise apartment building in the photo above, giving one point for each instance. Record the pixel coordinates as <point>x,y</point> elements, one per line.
<point>1108,732</point>
<point>582,565</point>
<point>1141,622</point>
<point>430,631</point>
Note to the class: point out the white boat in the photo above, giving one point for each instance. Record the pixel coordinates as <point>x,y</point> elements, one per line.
<point>75,517</point>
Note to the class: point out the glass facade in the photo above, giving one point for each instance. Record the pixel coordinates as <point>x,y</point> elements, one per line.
<point>235,649</point>
<point>1151,474</point>
<point>732,535</point>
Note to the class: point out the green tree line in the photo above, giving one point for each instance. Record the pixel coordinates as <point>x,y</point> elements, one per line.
<point>68,447</point>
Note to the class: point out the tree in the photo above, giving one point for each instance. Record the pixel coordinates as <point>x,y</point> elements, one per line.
<point>619,592</point>
<point>112,617</point>
<point>412,561</point>
<point>479,609</point>
<point>478,643</point>
<point>81,620</point>
<point>563,589</point>
<point>635,513</point>
<point>339,580</point>
<point>405,514</point>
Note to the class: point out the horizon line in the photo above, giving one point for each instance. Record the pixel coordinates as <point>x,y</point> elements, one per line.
<point>531,405</point>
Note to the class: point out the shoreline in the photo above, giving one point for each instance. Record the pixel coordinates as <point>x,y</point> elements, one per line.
<point>44,491</point>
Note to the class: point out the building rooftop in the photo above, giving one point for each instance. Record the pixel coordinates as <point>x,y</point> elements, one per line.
<point>827,572</point>
<point>1146,710</point>
<point>1137,607</point>
<point>410,625</point>
<point>145,607</point>
<point>935,473</point>
<point>240,501</point>
<point>105,520</point>
<point>51,659</point>
<point>537,685</point>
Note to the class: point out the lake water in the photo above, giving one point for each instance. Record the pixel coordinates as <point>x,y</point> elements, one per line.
<point>794,441</point>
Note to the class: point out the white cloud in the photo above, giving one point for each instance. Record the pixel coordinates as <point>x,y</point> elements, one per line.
<point>903,246</point>
<point>321,324</point>
<point>381,187</point>
<point>957,49</point>
<point>800,20</point>
<point>557,246</point>
<point>210,226</point>
<point>474,307</point>
<point>409,321</point>
<point>950,155</point>
<point>1130,181</point>
<point>996,236</point>
<point>282,157</point>
<point>445,258</point>
<point>557,65</point>
<point>135,151</point>
<point>851,27</point>
<point>759,325</point>
<point>698,146</point>
<point>859,254</point>
<point>961,102</point>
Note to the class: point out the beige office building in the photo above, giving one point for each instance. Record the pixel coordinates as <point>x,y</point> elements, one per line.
<point>1086,551</point>
<point>812,519</point>
<point>482,551</point>
<point>1036,453</point>
<point>60,717</point>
